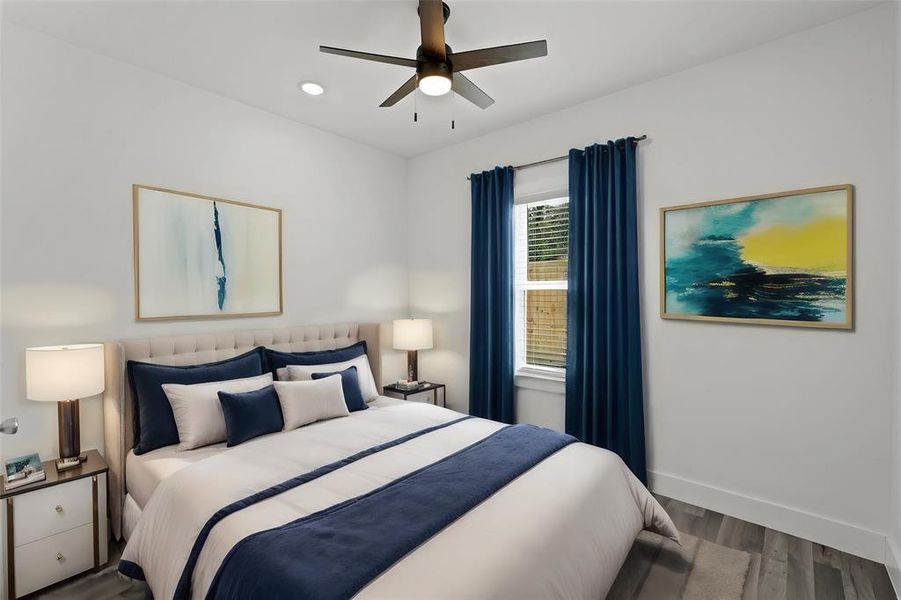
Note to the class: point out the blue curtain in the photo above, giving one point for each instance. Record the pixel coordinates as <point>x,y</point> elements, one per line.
<point>491,303</point>
<point>604,395</point>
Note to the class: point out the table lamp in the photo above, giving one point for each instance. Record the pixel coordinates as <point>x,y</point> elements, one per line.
<point>412,335</point>
<point>63,374</point>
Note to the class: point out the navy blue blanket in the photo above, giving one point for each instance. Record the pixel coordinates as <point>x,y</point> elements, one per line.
<point>335,553</point>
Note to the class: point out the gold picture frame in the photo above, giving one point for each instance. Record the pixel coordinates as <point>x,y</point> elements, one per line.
<point>142,314</point>
<point>819,290</point>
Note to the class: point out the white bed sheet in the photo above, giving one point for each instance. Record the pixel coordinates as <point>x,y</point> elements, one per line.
<point>144,472</point>
<point>561,530</point>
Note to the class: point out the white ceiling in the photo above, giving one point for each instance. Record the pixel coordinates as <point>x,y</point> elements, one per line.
<point>257,52</point>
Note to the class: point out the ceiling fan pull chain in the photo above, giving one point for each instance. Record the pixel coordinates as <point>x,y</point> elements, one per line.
<point>453,110</point>
<point>415,101</point>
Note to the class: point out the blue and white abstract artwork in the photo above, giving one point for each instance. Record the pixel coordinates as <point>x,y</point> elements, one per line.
<point>200,257</point>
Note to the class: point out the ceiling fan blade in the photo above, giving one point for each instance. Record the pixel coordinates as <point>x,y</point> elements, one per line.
<point>408,86</point>
<point>486,57</point>
<point>431,26</point>
<point>391,60</point>
<point>466,88</point>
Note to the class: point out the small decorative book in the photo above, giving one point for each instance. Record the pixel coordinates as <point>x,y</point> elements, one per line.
<point>23,470</point>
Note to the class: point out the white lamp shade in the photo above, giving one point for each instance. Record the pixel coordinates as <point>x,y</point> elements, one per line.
<point>412,334</point>
<point>56,373</point>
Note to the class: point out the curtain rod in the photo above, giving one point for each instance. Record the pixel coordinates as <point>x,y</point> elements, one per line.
<point>556,158</point>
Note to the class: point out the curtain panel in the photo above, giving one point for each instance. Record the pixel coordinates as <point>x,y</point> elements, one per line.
<point>491,303</point>
<point>604,389</point>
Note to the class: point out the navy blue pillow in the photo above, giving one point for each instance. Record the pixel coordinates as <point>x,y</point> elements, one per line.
<point>279,360</point>
<point>350,383</point>
<point>251,414</point>
<point>153,420</point>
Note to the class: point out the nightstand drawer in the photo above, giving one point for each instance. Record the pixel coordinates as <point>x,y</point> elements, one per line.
<point>54,558</point>
<point>52,510</point>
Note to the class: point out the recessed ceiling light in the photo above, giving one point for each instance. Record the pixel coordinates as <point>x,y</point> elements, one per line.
<point>312,88</point>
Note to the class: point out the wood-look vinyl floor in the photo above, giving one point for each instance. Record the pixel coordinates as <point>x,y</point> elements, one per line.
<point>783,567</point>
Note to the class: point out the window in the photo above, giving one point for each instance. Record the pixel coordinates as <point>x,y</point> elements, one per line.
<point>541,249</point>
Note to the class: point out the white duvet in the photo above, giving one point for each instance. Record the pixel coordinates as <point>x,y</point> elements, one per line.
<point>560,530</point>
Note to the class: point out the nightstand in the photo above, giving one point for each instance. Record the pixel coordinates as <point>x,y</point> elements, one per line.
<point>56,528</point>
<point>424,387</point>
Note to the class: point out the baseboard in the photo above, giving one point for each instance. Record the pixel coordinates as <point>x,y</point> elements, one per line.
<point>893,564</point>
<point>836,534</point>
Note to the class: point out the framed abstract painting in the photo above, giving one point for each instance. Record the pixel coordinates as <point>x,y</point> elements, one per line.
<point>776,259</point>
<point>199,257</point>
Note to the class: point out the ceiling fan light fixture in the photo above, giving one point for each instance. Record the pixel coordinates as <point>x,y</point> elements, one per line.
<point>435,85</point>
<point>438,67</point>
<point>311,88</point>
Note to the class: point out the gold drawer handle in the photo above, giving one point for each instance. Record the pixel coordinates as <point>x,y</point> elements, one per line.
<point>60,557</point>
<point>59,508</point>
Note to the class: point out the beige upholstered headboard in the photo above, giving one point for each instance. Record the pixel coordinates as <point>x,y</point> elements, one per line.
<point>197,349</point>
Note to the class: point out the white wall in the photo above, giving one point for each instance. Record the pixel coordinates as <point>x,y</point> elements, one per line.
<point>893,541</point>
<point>3,561</point>
<point>80,129</point>
<point>788,427</point>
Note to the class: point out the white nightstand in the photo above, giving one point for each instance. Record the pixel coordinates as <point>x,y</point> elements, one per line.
<point>56,528</point>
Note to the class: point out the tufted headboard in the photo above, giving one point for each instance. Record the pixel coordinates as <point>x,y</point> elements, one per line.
<point>118,404</point>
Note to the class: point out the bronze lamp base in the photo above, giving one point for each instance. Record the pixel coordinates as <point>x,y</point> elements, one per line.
<point>69,435</point>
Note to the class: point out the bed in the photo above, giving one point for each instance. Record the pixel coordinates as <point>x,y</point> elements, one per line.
<point>406,500</point>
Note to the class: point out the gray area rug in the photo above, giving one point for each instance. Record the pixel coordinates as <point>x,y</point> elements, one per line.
<point>660,569</point>
<point>718,573</point>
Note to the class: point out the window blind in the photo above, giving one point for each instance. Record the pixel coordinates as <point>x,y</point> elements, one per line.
<point>547,230</point>
<point>542,245</point>
<point>546,328</point>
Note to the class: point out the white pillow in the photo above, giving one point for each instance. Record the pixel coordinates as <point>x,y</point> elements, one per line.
<point>303,372</point>
<point>304,402</point>
<point>197,411</point>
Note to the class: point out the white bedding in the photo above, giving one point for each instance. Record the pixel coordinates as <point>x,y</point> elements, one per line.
<point>131,514</point>
<point>561,530</point>
<point>144,472</point>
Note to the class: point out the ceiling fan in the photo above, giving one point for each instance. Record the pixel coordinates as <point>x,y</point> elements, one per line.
<point>438,67</point>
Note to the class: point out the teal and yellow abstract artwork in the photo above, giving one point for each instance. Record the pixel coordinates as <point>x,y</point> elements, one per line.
<point>777,259</point>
